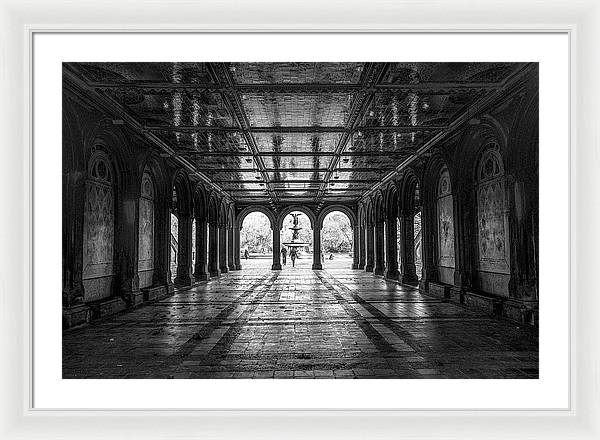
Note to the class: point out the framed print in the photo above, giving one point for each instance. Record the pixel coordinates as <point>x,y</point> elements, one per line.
<point>300,227</point>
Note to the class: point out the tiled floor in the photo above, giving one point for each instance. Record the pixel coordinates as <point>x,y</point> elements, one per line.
<point>299,323</point>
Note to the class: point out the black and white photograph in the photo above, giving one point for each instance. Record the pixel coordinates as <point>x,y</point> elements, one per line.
<point>300,220</point>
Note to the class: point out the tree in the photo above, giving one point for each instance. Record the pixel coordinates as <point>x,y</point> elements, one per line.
<point>336,235</point>
<point>256,234</point>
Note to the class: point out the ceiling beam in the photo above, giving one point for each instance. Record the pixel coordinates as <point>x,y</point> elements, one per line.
<point>293,129</point>
<point>433,87</point>
<point>296,170</point>
<point>316,182</point>
<point>402,152</point>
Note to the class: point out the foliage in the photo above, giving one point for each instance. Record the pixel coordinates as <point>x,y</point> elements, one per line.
<point>256,234</point>
<point>336,235</point>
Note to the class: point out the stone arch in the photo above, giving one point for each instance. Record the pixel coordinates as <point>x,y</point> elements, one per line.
<point>213,210</point>
<point>342,208</point>
<point>181,185</point>
<point>303,209</point>
<point>200,203</point>
<point>439,221</point>
<point>163,191</point>
<point>471,146</point>
<point>250,209</point>
<point>223,213</point>
<point>391,201</point>
<point>410,192</point>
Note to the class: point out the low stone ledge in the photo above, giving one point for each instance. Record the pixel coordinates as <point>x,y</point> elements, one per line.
<point>438,290</point>
<point>155,293</point>
<point>523,312</point>
<point>456,295</point>
<point>491,305</point>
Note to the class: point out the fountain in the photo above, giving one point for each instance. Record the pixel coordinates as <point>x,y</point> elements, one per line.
<point>295,243</point>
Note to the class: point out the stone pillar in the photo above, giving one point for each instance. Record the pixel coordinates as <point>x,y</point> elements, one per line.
<point>223,266</point>
<point>370,247</point>
<point>236,248</point>
<point>356,247</point>
<point>409,271</point>
<point>126,242</point>
<point>429,227</point>
<point>200,271</point>
<point>392,251</point>
<point>231,249</point>
<point>162,253</point>
<point>213,249</point>
<point>361,247</point>
<point>317,264</point>
<point>72,222</point>
<point>276,249</point>
<point>379,249</point>
<point>184,253</point>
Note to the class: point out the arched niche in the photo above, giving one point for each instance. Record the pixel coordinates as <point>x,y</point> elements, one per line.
<point>99,226</point>
<point>146,229</point>
<point>493,248</point>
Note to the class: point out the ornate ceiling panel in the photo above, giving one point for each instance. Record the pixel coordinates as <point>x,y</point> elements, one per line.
<point>297,142</point>
<point>296,73</point>
<point>292,132</point>
<point>297,109</point>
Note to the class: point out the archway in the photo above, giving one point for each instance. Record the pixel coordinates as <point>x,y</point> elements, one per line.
<point>296,241</point>
<point>256,241</point>
<point>337,241</point>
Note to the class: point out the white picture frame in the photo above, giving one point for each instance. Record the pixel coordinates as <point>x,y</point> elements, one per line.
<point>20,20</point>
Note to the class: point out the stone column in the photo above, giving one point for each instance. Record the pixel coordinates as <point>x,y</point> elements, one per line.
<point>317,264</point>
<point>429,227</point>
<point>361,247</point>
<point>356,247</point>
<point>236,248</point>
<point>200,271</point>
<point>409,271</point>
<point>126,242</point>
<point>223,266</point>
<point>72,222</point>
<point>370,247</point>
<point>213,250</point>
<point>379,249</point>
<point>184,253</point>
<point>392,251</point>
<point>276,249</point>
<point>231,249</point>
<point>162,253</point>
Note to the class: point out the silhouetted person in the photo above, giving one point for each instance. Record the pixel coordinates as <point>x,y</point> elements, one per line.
<point>246,254</point>
<point>293,256</point>
<point>284,255</point>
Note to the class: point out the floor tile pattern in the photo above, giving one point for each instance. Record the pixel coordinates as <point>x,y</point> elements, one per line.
<point>299,323</point>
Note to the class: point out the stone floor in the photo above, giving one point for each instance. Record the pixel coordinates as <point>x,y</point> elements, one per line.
<point>299,323</point>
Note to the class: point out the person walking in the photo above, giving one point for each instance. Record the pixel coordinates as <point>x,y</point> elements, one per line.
<point>293,256</point>
<point>246,254</point>
<point>284,255</point>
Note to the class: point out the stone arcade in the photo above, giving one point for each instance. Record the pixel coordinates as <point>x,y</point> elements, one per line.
<point>435,165</point>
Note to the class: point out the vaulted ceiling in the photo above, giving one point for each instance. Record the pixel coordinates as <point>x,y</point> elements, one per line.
<point>294,132</point>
